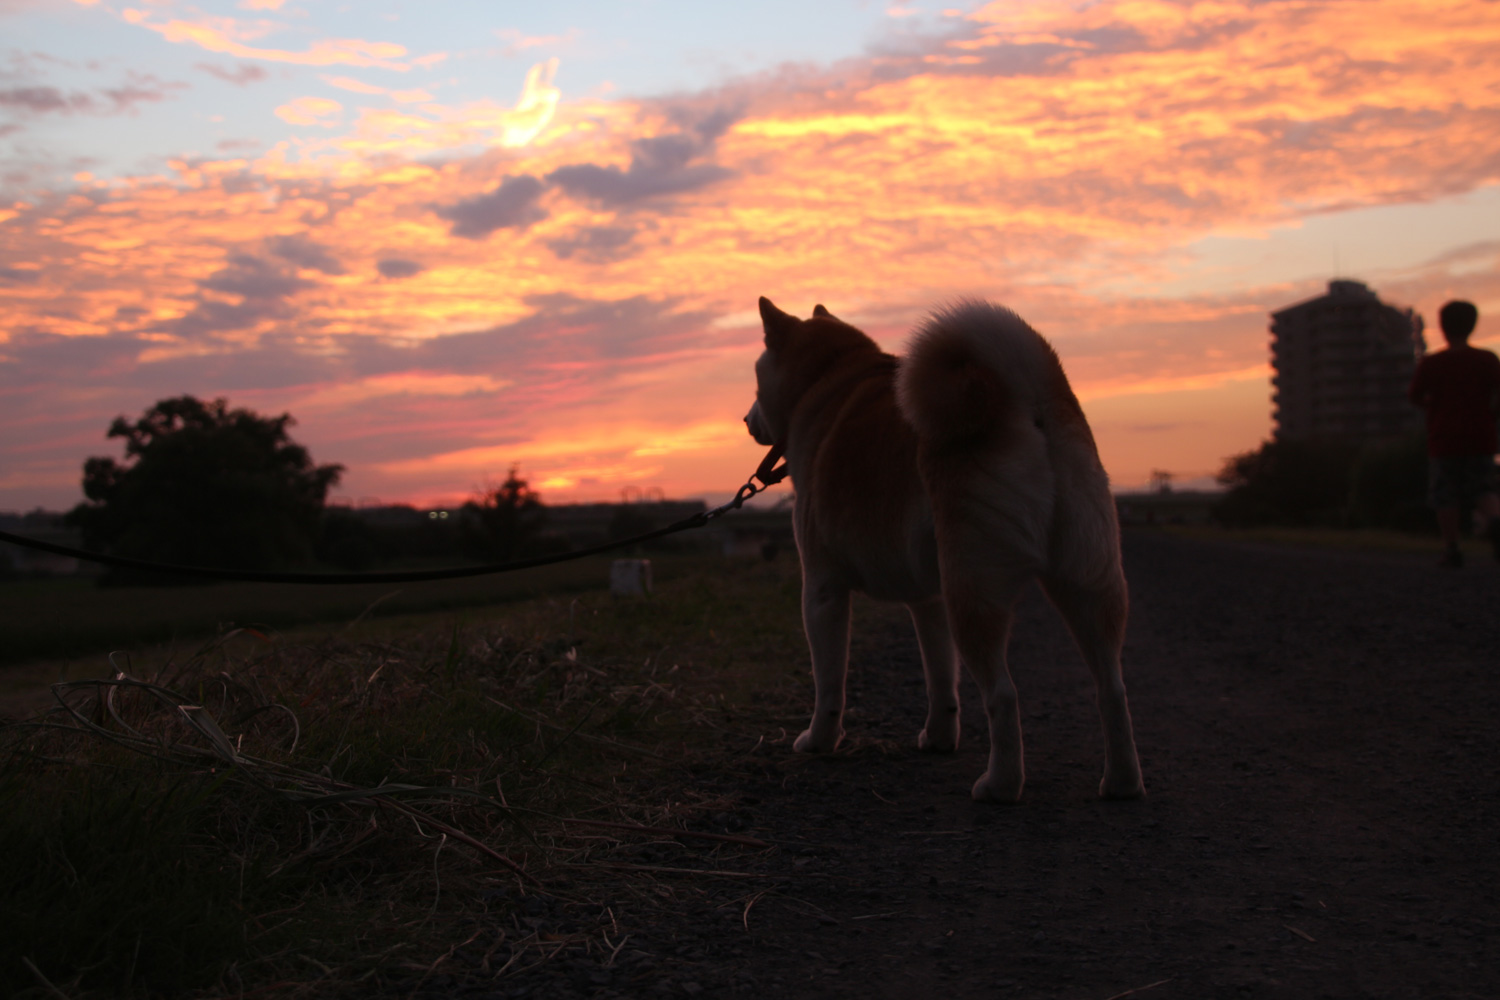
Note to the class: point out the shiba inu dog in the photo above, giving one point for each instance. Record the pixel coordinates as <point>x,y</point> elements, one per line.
<point>947,480</point>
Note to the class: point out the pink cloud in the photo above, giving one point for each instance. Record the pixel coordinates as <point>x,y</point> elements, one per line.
<point>309,111</point>
<point>228,36</point>
<point>517,41</point>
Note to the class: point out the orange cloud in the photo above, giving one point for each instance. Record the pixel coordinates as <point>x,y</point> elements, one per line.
<point>578,294</point>
<point>309,111</point>
<point>353,85</point>
<point>414,96</point>
<point>228,36</point>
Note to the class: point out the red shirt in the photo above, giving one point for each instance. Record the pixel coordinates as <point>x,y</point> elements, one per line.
<point>1459,389</point>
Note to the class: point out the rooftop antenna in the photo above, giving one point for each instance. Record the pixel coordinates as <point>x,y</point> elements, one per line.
<point>1336,272</point>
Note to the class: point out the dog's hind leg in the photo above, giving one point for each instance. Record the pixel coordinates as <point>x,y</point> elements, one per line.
<point>1096,615</point>
<point>940,667</point>
<point>825,616</point>
<point>980,615</point>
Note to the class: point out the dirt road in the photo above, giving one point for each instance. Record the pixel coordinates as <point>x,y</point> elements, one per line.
<point>1318,731</point>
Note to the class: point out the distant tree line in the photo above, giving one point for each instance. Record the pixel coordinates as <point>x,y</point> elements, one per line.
<point>499,524</point>
<point>202,484</point>
<point>1380,484</point>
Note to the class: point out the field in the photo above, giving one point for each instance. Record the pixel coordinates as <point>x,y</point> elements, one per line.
<point>66,618</point>
<point>184,874</point>
<point>572,796</point>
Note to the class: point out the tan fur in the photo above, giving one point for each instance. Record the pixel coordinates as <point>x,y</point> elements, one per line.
<point>947,480</point>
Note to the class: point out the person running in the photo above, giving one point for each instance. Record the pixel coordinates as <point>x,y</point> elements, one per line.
<point>1459,389</point>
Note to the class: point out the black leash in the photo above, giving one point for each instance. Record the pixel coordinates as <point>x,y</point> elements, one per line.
<point>767,475</point>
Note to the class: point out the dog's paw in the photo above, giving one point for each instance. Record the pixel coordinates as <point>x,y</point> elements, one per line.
<point>1005,790</point>
<point>939,743</point>
<point>1122,786</point>
<point>808,742</point>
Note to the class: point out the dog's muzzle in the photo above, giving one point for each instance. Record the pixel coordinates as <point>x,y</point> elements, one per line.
<point>756,424</point>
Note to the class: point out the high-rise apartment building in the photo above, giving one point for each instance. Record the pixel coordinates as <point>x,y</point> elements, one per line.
<point>1343,363</point>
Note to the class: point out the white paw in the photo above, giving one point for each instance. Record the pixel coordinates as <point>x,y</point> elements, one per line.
<point>1006,789</point>
<point>809,742</point>
<point>1122,786</point>
<point>934,740</point>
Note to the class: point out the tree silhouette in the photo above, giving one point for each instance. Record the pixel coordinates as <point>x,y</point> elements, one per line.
<point>507,519</point>
<point>205,485</point>
<point>1291,482</point>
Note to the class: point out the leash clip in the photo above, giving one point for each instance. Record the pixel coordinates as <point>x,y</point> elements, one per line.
<point>768,472</point>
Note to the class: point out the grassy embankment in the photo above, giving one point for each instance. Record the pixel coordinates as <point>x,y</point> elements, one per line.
<point>70,618</point>
<point>235,845</point>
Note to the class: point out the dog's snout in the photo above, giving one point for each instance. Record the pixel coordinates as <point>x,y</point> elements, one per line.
<point>755,423</point>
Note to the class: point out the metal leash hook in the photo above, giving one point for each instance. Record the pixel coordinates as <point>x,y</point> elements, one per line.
<point>745,493</point>
<point>769,473</point>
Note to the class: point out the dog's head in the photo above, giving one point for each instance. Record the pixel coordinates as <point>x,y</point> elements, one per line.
<point>797,353</point>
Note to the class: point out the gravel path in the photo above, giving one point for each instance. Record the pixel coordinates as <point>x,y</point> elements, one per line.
<point>1318,734</point>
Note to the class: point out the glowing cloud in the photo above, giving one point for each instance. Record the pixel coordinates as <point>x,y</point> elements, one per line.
<point>536,107</point>
<point>353,85</point>
<point>228,36</point>
<point>431,127</point>
<point>413,96</point>
<point>309,111</point>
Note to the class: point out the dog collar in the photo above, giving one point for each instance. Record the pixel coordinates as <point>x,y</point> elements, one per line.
<point>766,473</point>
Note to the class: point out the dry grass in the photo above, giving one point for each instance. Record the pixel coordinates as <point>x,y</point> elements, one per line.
<point>342,811</point>
<point>66,618</point>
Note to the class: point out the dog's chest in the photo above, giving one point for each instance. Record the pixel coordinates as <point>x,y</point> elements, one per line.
<point>889,554</point>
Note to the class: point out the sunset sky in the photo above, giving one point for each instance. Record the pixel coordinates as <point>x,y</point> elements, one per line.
<point>453,235</point>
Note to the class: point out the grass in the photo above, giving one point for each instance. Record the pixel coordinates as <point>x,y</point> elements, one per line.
<point>69,618</point>
<point>107,887</point>
<point>332,811</point>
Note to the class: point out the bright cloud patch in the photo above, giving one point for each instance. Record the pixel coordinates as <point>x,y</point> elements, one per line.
<point>230,37</point>
<point>309,111</point>
<point>436,128</point>
<point>535,108</point>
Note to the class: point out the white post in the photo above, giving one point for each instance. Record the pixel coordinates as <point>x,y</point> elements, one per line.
<point>630,577</point>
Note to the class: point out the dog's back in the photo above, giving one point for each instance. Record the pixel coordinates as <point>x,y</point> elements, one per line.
<point>860,508</point>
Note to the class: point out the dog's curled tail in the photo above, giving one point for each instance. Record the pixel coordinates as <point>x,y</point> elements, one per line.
<point>1003,439</point>
<point>974,375</point>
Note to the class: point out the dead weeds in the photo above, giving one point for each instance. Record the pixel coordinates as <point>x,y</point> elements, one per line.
<point>356,810</point>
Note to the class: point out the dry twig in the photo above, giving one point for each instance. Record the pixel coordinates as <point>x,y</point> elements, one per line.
<point>1139,989</point>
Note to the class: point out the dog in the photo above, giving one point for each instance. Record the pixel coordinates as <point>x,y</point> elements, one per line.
<point>946,480</point>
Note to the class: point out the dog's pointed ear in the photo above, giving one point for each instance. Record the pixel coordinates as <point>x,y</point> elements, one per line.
<point>777,323</point>
<point>820,313</point>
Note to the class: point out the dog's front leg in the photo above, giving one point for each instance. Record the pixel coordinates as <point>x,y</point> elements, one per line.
<point>825,617</point>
